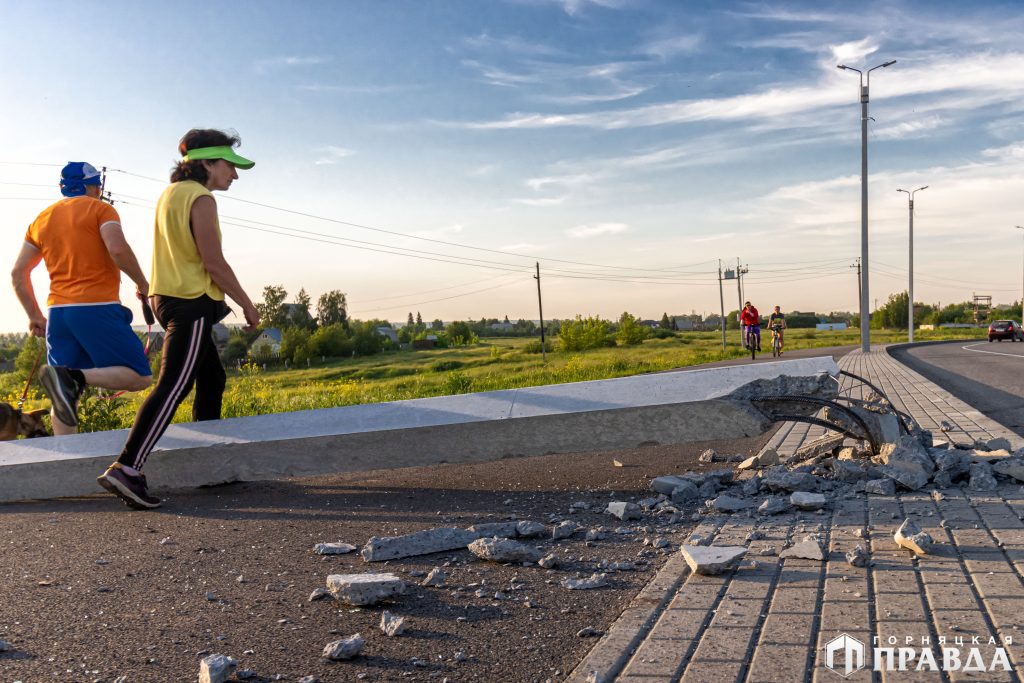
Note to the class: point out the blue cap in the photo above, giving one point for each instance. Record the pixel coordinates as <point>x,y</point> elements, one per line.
<point>75,176</point>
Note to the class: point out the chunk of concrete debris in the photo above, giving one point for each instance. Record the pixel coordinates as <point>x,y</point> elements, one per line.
<point>881,487</point>
<point>623,510</point>
<point>216,668</point>
<point>808,501</point>
<point>333,548</point>
<point>708,455</point>
<point>318,594</point>
<point>503,550</point>
<point>1011,467</point>
<point>912,537</point>
<point>528,529</point>
<point>499,529</point>
<point>708,489</point>
<point>773,505</point>
<point>858,557</point>
<point>5,646</point>
<point>729,504</point>
<point>780,479</point>
<point>564,530</point>
<point>364,589</point>
<point>420,543</point>
<point>911,481</point>
<point>346,648</point>
<point>766,458</point>
<point>596,580</point>
<point>549,561</point>
<point>848,470</point>
<point>666,484</point>
<point>982,478</point>
<point>998,444</point>
<point>684,493</point>
<point>712,560</point>
<point>823,446</point>
<point>907,454</point>
<point>391,624</point>
<point>435,578</point>
<point>587,632</point>
<point>752,486</point>
<point>807,549</point>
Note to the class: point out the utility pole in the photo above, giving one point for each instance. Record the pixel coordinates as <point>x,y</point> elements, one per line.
<point>740,272</point>
<point>856,264</point>
<point>721,301</point>
<point>540,306</point>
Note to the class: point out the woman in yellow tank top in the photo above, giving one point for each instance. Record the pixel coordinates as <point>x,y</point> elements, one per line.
<point>189,281</point>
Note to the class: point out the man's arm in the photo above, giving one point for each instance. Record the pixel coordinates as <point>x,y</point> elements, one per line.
<point>123,256</point>
<point>204,231</point>
<point>21,277</point>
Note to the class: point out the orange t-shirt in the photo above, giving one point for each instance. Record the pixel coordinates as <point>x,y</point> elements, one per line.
<point>68,236</point>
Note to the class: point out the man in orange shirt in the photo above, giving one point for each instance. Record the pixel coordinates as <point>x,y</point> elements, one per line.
<point>89,339</point>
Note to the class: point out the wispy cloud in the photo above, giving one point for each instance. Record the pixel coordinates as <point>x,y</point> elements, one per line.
<point>331,154</point>
<point>715,238</point>
<point>357,89</point>
<point>687,43</point>
<point>541,201</point>
<point>289,61</point>
<point>522,246</point>
<point>574,7</point>
<point>909,129</point>
<point>596,230</point>
<point>853,51</point>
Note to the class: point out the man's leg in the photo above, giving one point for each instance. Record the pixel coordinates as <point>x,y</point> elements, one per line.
<point>63,349</point>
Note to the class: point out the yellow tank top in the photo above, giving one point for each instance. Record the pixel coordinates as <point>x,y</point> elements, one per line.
<point>177,267</point>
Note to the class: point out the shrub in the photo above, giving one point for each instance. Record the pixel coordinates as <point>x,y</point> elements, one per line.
<point>533,346</point>
<point>445,365</point>
<point>630,332</point>
<point>457,383</point>
<point>662,333</point>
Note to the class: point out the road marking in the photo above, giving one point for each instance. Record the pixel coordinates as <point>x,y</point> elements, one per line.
<point>994,353</point>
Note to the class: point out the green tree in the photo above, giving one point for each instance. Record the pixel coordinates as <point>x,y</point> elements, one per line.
<point>630,332</point>
<point>437,324</point>
<point>332,341</point>
<point>272,310</point>
<point>304,318</point>
<point>32,350</point>
<point>460,333</point>
<point>580,334</point>
<point>331,309</point>
<point>665,323</point>
<point>235,349</point>
<point>295,342</point>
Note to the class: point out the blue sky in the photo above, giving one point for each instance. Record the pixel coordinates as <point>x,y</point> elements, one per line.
<point>626,145</point>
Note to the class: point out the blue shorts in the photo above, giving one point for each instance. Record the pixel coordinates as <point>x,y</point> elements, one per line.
<point>94,336</point>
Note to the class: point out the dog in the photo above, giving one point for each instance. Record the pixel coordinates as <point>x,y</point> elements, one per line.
<point>15,422</point>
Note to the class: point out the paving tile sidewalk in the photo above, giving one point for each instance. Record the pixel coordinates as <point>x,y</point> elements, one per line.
<point>771,620</point>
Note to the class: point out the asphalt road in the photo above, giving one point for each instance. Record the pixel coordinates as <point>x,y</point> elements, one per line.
<point>986,375</point>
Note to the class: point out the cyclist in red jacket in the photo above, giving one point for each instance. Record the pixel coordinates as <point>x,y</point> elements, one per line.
<point>751,321</point>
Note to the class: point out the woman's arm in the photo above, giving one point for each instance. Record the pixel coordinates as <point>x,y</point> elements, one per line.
<point>204,231</point>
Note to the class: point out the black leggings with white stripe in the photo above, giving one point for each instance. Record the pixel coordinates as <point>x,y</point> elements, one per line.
<point>189,357</point>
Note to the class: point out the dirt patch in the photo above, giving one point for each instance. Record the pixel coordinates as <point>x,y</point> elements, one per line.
<point>93,591</point>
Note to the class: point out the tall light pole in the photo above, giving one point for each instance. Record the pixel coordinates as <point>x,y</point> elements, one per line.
<point>1021,227</point>
<point>910,291</point>
<point>865,313</point>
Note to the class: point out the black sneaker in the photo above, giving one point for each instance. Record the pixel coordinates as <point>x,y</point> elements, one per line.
<point>63,391</point>
<point>130,488</point>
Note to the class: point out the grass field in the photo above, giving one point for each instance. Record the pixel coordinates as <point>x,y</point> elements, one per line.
<point>496,363</point>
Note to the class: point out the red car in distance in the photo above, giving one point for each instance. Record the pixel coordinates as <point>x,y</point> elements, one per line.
<point>1005,329</point>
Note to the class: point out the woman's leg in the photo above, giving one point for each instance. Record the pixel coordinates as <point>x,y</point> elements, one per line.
<point>210,382</point>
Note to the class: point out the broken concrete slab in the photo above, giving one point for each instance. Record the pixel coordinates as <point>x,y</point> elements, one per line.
<point>346,648</point>
<point>982,478</point>
<point>780,479</point>
<point>420,543</point>
<point>912,537</point>
<point>910,480</point>
<point>848,470</point>
<point>684,493</point>
<point>435,578</point>
<point>565,529</point>
<point>766,458</point>
<point>808,501</point>
<point>807,549</point>
<point>729,504</point>
<point>712,560</point>
<point>819,447</point>
<point>501,529</point>
<point>623,510</point>
<point>907,454</point>
<point>216,668</point>
<point>1011,467</point>
<point>773,505</point>
<point>668,483</point>
<point>364,589</point>
<point>882,426</point>
<point>881,487</point>
<point>672,407</point>
<point>955,463</point>
<point>998,444</point>
<point>503,550</point>
<point>333,548</point>
<point>528,529</point>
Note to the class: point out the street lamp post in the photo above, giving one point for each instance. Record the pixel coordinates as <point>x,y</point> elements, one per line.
<point>1021,227</point>
<point>865,84</point>
<point>910,289</point>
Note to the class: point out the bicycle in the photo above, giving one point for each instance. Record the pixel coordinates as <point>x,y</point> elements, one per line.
<point>751,342</point>
<point>776,342</point>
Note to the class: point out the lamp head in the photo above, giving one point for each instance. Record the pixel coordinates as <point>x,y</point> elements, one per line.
<point>921,188</point>
<point>889,63</point>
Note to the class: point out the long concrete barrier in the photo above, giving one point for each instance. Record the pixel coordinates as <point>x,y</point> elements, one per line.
<point>670,407</point>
